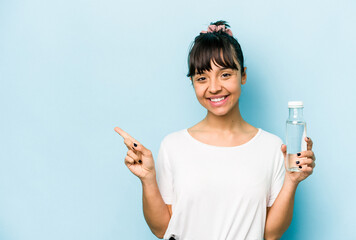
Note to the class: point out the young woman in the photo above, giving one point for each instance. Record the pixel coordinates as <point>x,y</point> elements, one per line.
<point>221,179</point>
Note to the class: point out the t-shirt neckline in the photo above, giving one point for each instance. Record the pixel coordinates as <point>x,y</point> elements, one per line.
<point>222,147</point>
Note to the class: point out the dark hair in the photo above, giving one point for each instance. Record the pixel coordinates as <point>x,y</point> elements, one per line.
<point>211,45</point>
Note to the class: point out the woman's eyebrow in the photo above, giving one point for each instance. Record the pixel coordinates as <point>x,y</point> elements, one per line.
<point>220,69</point>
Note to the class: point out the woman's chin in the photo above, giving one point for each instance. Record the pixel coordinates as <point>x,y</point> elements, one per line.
<point>218,112</point>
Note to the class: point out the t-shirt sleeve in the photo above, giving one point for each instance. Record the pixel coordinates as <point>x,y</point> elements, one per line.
<point>164,174</point>
<point>278,175</point>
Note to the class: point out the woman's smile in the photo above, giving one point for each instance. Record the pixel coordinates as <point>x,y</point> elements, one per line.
<point>217,102</point>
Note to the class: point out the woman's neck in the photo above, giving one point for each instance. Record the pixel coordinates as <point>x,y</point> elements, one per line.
<point>231,122</point>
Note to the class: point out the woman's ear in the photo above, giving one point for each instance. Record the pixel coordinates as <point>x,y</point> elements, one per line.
<point>244,76</point>
<point>191,81</point>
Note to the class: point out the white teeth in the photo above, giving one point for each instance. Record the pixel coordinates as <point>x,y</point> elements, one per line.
<point>217,99</point>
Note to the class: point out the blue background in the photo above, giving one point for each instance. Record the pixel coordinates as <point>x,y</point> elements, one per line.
<point>73,70</point>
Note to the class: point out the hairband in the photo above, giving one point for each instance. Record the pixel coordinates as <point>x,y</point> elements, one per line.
<point>214,28</point>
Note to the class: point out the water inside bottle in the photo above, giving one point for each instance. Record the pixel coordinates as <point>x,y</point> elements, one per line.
<point>296,133</point>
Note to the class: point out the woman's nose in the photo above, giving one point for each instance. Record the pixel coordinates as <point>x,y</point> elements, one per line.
<point>214,85</point>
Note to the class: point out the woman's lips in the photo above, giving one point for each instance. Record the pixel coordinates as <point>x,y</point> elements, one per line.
<point>220,103</point>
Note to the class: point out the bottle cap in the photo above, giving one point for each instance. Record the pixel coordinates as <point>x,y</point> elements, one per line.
<point>295,104</point>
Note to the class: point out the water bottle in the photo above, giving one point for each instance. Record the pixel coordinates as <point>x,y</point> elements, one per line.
<point>296,131</point>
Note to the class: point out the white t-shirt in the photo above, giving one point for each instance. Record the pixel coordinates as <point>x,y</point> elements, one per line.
<point>219,193</point>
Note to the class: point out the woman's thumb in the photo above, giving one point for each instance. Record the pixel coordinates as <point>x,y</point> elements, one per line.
<point>284,150</point>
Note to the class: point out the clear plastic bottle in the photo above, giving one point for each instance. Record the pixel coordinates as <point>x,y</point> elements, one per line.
<point>296,131</point>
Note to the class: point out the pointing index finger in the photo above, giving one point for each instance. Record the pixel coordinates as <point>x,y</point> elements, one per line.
<point>128,140</point>
<point>126,136</point>
<point>122,132</point>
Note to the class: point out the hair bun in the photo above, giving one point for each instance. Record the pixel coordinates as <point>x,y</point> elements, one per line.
<point>219,26</point>
<point>220,22</point>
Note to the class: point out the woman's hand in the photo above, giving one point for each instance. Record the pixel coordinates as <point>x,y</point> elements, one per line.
<point>138,159</point>
<point>306,163</point>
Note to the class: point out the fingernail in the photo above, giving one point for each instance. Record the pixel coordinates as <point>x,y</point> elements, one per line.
<point>135,144</point>
<point>297,162</point>
<point>300,166</point>
<point>298,154</point>
<point>139,161</point>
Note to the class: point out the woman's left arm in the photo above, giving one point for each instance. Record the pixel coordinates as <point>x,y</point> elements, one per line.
<point>279,216</point>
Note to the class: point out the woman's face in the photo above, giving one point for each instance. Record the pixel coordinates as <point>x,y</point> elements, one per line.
<point>217,83</point>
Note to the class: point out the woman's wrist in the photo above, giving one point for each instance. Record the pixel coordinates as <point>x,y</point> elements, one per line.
<point>289,182</point>
<point>149,179</point>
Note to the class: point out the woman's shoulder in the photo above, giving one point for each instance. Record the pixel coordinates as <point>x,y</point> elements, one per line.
<point>174,137</point>
<point>271,137</point>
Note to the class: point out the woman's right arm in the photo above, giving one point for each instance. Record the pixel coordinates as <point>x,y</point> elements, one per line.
<point>140,162</point>
<point>156,212</point>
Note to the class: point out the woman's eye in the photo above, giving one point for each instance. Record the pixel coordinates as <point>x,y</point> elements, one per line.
<point>202,78</point>
<point>226,74</point>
